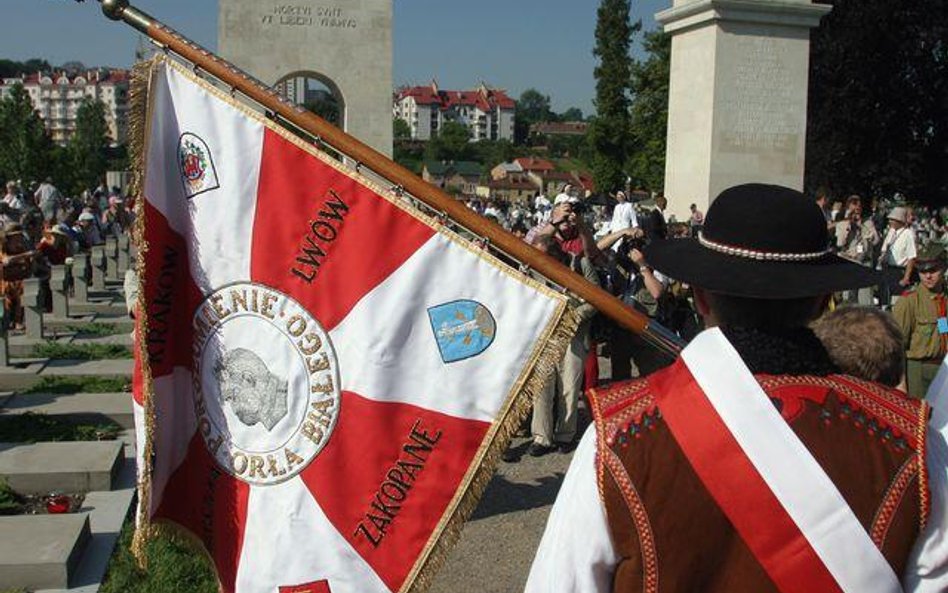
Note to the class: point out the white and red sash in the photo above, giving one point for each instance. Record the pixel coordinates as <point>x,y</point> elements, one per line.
<point>779,499</point>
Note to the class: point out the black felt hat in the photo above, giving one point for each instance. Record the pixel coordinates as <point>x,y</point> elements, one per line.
<point>760,241</point>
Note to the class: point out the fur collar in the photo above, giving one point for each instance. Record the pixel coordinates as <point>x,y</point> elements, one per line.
<point>794,351</point>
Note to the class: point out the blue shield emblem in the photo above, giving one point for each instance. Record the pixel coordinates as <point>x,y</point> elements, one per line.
<point>463,329</point>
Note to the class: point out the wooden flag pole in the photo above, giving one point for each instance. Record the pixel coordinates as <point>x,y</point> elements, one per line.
<point>120,10</point>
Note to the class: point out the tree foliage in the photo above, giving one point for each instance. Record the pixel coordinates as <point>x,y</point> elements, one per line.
<point>12,68</point>
<point>533,107</point>
<point>89,147</point>
<point>326,107</point>
<point>609,130</point>
<point>400,129</point>
<point>878,99</point>
<point>571,114</point>
<point>24,145</point>
<point>452,143</point>
<point>649,112</point>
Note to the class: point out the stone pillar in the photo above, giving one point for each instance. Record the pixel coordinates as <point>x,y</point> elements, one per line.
<point>111,259</point>
<point>33,308</point>
<point>98,267</point>
<point>737,95</point>
<point>123,254</point>
<point>81,271</point>
<point>59,285</point>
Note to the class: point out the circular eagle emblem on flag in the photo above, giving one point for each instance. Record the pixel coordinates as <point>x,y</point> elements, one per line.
<point>266,383</point>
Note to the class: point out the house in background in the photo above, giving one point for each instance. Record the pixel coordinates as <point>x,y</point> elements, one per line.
<point>57,96</point>
<point>487,113</point>
<point>460,176</point>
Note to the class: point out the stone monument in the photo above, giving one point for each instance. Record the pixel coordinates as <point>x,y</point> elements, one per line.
<point>345,45</point>
<point>737,95</point>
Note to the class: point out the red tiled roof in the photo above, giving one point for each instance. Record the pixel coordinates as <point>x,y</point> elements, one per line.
<point>486,100</point>
<point>565,128</point>
<point>534,164</point>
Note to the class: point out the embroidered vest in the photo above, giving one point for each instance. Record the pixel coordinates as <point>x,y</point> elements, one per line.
<point>670,535</point>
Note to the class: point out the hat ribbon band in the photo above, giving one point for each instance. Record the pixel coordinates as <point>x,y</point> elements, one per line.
<point>759,255</point>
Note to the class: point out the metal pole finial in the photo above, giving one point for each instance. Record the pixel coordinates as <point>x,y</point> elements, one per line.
<point>114,9</point>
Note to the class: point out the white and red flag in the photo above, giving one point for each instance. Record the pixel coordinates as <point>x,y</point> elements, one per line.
<point>325,374</point>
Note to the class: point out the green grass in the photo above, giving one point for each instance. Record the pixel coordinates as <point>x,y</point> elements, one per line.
<point>41,428</point>
<point>70,385</point>
<point>81,351</point>
<point>173,565</point>
<point>9,501</point>
<point>97,328</point>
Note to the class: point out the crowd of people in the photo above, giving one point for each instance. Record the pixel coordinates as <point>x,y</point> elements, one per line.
<point>40,226</point>
<point>605,240</point>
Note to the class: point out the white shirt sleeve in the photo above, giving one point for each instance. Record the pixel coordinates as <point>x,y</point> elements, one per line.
<point>576,553</point>
<point>927,567</point>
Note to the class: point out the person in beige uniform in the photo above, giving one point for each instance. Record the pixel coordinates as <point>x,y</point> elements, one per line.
<point>922,317</point>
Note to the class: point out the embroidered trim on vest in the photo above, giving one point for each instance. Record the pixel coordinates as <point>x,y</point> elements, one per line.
<point>922,449</point>
<point>899,412</point>
<point>640,518</point>
<point>620,410</point>
<point>892,500</point>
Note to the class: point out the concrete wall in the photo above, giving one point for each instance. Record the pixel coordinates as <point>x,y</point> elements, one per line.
<point>350,43</point>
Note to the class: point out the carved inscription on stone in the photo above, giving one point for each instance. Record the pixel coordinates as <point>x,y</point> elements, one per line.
<point>762,113</point>
<point>305,15</point>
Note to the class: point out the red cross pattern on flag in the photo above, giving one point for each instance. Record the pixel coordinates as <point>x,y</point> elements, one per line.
<point>325,375</point>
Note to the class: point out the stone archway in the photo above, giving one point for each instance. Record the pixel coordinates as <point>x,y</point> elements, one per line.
<point>347,46</point>
<point>316,92</point>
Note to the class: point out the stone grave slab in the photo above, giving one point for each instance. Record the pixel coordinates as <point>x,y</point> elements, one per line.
<point>122,339</point>
<point>121,367</point>
<point>41,551</point>
<point>21,374</point>
<point>41,468</point>
<point>76,408</point>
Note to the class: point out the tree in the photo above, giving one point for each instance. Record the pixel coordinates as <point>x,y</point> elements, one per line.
<point>89,145</point>
<point>571,114</point>
<point>609,130</point>
<point>532,107</point>
<point>400,129</point>
<point>11,68</point>
<point>878,100</point>
<point>452,143</point>
<point>649,112</point>
<point>325,106</point>
<point>24,144</point>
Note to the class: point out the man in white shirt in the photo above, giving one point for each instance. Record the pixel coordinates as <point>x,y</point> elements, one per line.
<point>897,259</point>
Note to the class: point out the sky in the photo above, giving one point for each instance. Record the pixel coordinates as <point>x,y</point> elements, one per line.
<point>509,44</point>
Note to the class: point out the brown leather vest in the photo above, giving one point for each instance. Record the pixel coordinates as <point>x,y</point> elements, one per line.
<point>670,534</point>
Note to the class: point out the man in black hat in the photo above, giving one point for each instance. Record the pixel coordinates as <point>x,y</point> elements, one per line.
<point>752,463</point>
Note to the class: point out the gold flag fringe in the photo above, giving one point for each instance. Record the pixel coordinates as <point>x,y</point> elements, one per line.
<point>547,355</point>
<point>548,352</point>
<point>138,137</point>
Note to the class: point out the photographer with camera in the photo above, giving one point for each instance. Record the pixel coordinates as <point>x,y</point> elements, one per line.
<point>630,278</point>
<point>856,239</point>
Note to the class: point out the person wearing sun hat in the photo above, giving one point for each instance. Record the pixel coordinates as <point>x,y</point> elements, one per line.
<point>922,316</point>
<point>752,463</point>
<point>897,257</point>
